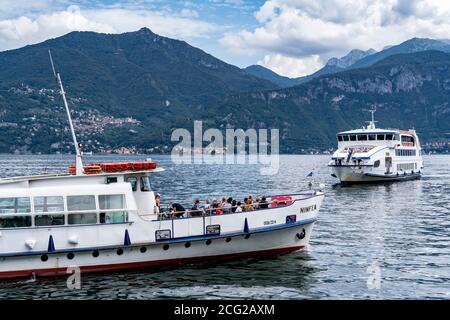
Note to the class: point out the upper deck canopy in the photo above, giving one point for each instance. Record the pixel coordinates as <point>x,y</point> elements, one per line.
<point>370,131</point>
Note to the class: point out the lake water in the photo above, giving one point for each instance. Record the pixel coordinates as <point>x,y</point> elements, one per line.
<point>397,230</point>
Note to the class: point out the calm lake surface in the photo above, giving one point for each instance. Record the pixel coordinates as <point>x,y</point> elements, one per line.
<point>397,230</point>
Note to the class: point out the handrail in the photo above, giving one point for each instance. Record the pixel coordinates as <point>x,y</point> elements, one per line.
<point>307,194</point>
<point>172,214</point>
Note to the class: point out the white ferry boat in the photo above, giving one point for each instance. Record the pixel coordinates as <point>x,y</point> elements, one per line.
<point>374,155</point>
<point>103,217</point>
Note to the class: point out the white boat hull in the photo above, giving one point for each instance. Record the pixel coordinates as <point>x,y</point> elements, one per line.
<point>254,233</point>
<point>258,244</point>
<point>354,174</point>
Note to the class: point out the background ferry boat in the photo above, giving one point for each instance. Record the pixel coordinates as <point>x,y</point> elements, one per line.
<point>374,155</point>
<point>103,217</point>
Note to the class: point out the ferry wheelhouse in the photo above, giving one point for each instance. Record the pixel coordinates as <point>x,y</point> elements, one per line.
<point>374,155</point>
<point>104,217</point>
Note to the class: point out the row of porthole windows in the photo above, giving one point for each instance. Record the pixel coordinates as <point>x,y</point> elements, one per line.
<point>207,242</point>
<point>95,254</point>
<point>119,251</point>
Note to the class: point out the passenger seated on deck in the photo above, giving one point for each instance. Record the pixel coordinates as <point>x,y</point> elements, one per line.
<point>248,205</point>
<point>233,206</point>
<point>215,205</point>
<point>196,211</point>
<point>245,204</point>
<point>207,207</point>
<point>218,209</point>
<point>177,210</point>
<point>256,203</point>
<point>226,206</point>
<point>263,204</point>
<point>157,203</point>
<point>252,202</point>
<point>238,207</point>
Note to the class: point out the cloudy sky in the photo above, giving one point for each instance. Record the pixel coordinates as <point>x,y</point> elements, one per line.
<point>291,37</point>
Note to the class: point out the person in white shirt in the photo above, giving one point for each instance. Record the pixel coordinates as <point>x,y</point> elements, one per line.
<point>226,205</point>
<point>157,204</point>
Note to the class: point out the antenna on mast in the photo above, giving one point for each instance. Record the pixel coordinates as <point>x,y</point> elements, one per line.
<point>372,122</point>
<point>78,161</point>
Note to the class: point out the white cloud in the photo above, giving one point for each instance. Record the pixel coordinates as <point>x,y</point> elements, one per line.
<point>289,66</point>
<point>188,13</point>
<point>300,29</point>
<point>25,30</point>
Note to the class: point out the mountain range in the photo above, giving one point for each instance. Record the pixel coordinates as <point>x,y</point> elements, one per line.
<point>128,92</point>
<point>332,66</point>
<point>354,59</point>
<point>408,90</point>
<point>159,82</point>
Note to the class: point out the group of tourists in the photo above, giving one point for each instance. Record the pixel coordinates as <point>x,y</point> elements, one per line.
<point>213,206</point>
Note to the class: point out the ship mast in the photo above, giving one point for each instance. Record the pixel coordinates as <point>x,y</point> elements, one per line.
<point>78,161</point>
<point>372,123</point>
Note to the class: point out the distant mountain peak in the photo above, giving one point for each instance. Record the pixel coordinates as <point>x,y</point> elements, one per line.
<point>409,46</point>
<point>145,30</point>
<point>267,74</point>
<point>350,58</point>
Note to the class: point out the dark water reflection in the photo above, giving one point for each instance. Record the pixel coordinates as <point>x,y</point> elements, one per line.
<point>400,228</point>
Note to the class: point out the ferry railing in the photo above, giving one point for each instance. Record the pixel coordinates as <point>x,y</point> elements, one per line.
<point>168,214</point>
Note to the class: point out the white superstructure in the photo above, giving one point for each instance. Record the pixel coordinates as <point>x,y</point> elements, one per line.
<point>372,155</point>
<point>104,217</point>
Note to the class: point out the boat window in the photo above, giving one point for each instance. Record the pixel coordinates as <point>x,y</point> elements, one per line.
<point>372,137</point>
<point>49,220</point>
<point>405,153</point>
<point>380,136</point>
<point>75,203</point>
<point>339,138</point>
<point>362,137</point>
<point>48,204</point>
<point>114,217</point>
<point>145,183</point>
<point>352,137</point>
<point>15,222</point>
<point>396,137</point>
<point>346,138</point>
<point>15,205</point>
<point>82,218</point>
<point>389,137</point>
<point>111,201</point>
<point>376,164</point>
<point>407,139</point>
<point>133,182</point>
